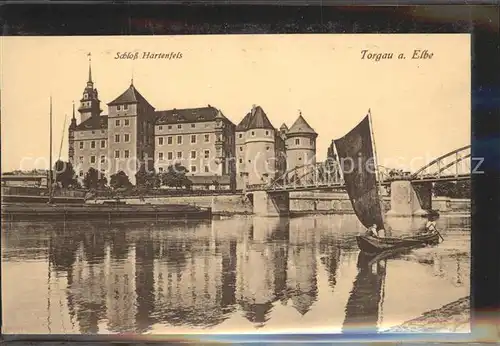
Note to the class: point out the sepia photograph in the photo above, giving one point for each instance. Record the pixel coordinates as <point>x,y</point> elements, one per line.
<point>312,183</point>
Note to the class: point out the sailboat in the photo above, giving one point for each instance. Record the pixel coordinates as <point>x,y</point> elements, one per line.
<point>356,152</point>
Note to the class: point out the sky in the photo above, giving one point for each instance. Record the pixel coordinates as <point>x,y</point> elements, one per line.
<point>420,107</point>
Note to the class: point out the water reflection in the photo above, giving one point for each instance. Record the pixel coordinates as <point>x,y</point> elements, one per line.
<point>131,277</point>
<point>363,307</point>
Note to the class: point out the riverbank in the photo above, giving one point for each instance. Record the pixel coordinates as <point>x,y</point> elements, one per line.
<point>452,317</point>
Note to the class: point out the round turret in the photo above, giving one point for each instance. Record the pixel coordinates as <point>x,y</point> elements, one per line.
<point>300,146</point>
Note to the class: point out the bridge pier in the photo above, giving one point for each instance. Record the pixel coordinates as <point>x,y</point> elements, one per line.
<point>408,200</point>
<point>271,203</point>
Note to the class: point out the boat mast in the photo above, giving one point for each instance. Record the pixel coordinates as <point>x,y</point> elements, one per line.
<point>375,164</point>
<point>62,138</point>
<point>50,153</point>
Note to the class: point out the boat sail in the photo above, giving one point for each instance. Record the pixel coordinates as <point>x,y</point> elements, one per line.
<point>356,153</point>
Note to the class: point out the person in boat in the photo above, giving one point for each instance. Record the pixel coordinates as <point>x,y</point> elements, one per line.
<point>372,231</point>
<point>430,226</point>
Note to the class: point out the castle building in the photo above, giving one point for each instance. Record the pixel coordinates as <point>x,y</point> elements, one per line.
<point>214,151</point>
<point>300,140</point>
<point>260,150</point>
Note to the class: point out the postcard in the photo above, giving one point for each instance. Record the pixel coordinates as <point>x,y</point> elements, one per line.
<point>236,184</point>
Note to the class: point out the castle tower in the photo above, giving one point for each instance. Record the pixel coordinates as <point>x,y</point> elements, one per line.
<point>220,156</point>
<point>130,133</point>
<point>300,146</point>
<point>90,106</point>
<point>71,137</point>
<point>260,151</point>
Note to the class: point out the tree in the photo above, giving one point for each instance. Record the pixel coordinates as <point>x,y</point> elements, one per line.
<point>147,180</point>
<point>459,189</point>
<point>102,182</point>
<point>91,179</point>
<point>65,174</point>
<point>175,176</point>
<point>119,180</point>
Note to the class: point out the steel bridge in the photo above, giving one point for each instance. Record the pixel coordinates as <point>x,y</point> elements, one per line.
<point>453,166</point>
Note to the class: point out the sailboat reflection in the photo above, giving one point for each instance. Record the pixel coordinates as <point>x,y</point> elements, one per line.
<point>363,310</point>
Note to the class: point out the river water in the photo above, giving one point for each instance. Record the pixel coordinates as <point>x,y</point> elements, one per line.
<point>243,274</point>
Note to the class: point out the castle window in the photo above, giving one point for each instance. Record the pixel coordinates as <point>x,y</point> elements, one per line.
<point>160,128</point>
<point>207,169</point>
<point>117,122</point>
<point>92,159</point>
<point>193,169</point>
<point>160,140</point>
<point>170,155</point>
<point>81,145</point>
<point>80,159</point>
<point>179,126</point>
<point>103,144</point>
<point>170,127</point>
<point>311,141</point>
<point>300,158</point>
<point>117,108</point>
<point>127,122</point>
<point>241,160</point>
<point>267,133</point>
<point>240,135</point>
<point>207,138</point>
<point>126,137</point>
<point>241,148</point>
<point>81,174</point>
<point>160,156</point>
<point>193,125</point>
<point>207,154</point>
<point>169,140</point>
<point>249,161</point>
<point>127,154</point>
<point>160,169</point>
<point>297,141</point>
<point>267,148</point>
<point>179,154</point>
<point>117,154</point>
<point>193,154</point>
<point>117,138</point>
<point>253,133</point>
<point>93,132</point>
<point>193,138</point>
<point>103,158</point>
<point>92,144</point>
<point>179,139</point>
<point>125,107</point>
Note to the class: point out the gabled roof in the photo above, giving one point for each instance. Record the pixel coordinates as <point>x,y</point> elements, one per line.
<point>131,95</point>
<point>301,126</point>
<point>283,127</point>
<point>93,123</point>
<point>188,115</point>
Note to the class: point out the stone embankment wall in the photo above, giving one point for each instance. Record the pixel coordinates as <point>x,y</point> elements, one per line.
<point>300,202</point>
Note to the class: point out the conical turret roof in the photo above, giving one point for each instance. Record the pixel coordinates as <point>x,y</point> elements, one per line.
<point>301,126</point>
<point>259,119</point>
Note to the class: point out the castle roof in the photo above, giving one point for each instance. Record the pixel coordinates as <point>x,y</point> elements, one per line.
<point>301,126</point>
<point>131,95</point>
<point>243,125</point>
<point>256,119</point>
<point>188,115</point>
<point>93,123</point>
<point>283,127</point>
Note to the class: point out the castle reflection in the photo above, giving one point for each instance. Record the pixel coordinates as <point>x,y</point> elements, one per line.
<point>129,277</point>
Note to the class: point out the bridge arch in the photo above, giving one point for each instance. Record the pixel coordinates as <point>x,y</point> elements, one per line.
<point>454,165</point>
